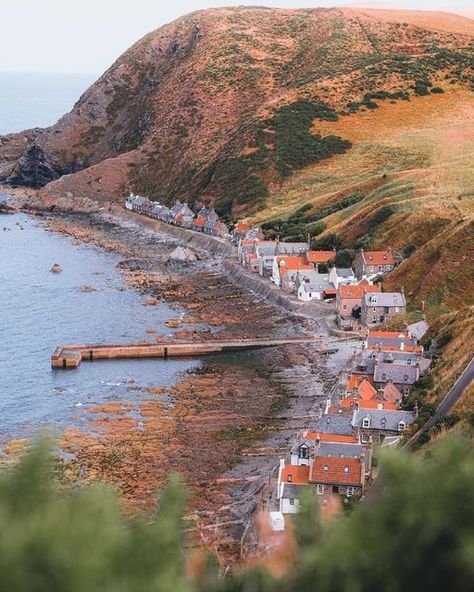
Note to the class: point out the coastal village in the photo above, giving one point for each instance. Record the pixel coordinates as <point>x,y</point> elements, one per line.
<point>334,454</point>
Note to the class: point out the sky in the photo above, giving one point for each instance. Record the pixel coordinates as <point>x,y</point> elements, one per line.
<point>88,36</point>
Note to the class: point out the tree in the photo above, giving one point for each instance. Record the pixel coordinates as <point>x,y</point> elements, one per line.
<point>417,534</point>
<point>344,258</point>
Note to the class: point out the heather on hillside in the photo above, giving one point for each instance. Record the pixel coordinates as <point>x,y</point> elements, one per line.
<point>418,533</point>
<point>222,105</point>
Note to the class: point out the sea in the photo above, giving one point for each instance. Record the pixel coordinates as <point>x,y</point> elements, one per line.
<point>40,310</point>
<point>35,99</point>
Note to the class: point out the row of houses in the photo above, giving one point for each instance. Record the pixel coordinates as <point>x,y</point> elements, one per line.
<point>334,455</point>
<point>206,220</point>
<point>312,275</point>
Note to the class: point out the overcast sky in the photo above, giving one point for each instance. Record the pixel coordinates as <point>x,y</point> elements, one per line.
<point>87,36</point>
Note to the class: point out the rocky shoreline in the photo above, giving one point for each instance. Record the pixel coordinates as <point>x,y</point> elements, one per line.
<point>226,424</point>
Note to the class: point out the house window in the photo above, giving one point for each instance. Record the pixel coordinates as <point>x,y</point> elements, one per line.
<point>384,376</point>
<point>364,438</point>
<point>304,452</point>
<point>405,378</point>
<point>310,295</point>
<point>325,468</point>
<point>350,491</point>
<point>345,307</point>
<point>320,489</point>
<point>401,426</point>
<point>374,318</point>
<point>346,469</point>
<point>291,502</point>
<point>366,422</point>
<point>289,478</point>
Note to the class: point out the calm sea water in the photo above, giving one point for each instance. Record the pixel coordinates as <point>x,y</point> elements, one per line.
<point>37,100</point>
<point>40,310</point>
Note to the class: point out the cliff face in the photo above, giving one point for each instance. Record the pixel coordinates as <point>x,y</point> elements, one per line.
<point>220,104</point>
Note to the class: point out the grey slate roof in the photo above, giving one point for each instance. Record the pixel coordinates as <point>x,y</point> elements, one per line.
<point>292,491</point>
<point>399,357</point>
<point>390,341</point>
<point>266,250</point>
<point>344,272</point>
<point>397,373</point>
<point>365,366</point>
<point>139,201</point>
<point>291,248</point>
<point>337,449</point>
<point>297,444</point>
<point>384,299</point>
<point>417,330</point>
<point>317,287</point>
<point>383,419</point>
<point>333,424</point>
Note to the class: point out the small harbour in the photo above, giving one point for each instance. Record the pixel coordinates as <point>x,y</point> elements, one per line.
<point>87,302</point>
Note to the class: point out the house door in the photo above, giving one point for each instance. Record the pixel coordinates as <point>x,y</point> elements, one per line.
<point>335,489</point>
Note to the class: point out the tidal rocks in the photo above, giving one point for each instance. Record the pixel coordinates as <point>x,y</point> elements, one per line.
<point>88,289</point>
<point>6,209</point>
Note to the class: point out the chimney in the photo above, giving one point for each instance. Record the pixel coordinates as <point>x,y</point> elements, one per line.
<point>402,346</point>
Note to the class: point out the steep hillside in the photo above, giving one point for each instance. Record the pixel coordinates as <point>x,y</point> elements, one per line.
<point>229,104</point>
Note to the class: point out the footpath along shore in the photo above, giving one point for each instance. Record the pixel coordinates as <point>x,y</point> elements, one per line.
<point>226,424</point>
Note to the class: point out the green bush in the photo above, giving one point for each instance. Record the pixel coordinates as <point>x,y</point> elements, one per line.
<point>417,533</point>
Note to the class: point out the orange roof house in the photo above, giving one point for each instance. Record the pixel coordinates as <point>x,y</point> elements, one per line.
<point>366,391</point>
<point>297,474</point>
<point>241,228</point>
<point>316,257</point>
<point>352,403</point>
<point>391,393</point>
<point>332,470</point>
<point>373,262</point>
<point>200,222</point>
<point>340,439</point>
<point>379,257</point>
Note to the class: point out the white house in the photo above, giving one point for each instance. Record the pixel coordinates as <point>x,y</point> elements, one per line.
<point>291,481</point>
<point>316,288</point>
<point>342,275</point>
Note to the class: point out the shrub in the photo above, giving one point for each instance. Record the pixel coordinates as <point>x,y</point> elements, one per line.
<point>344,258</point>
<point>409,250</point>
<point>327,243</point>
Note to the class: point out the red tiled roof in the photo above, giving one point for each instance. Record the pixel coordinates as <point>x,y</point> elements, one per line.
<point>200,221</point>
<point>242,227</point>
<point>366,390</point>
<point>350,403</point>
<point>320,256</point>
<point>336,471</point>
<point>291,261</point>
<point>354,381</point>
<point>298,474</point>
<point>357,292</point>
<point>388,334</point>
<point>332,438</point>
<point>331,291</point>
<point>378,257</point>
<point>391,394</point>
<point>286,268</point>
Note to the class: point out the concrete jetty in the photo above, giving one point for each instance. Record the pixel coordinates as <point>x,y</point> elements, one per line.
<point>70,356</point>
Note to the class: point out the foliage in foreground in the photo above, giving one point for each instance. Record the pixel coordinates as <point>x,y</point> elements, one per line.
<point>418,534</point>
